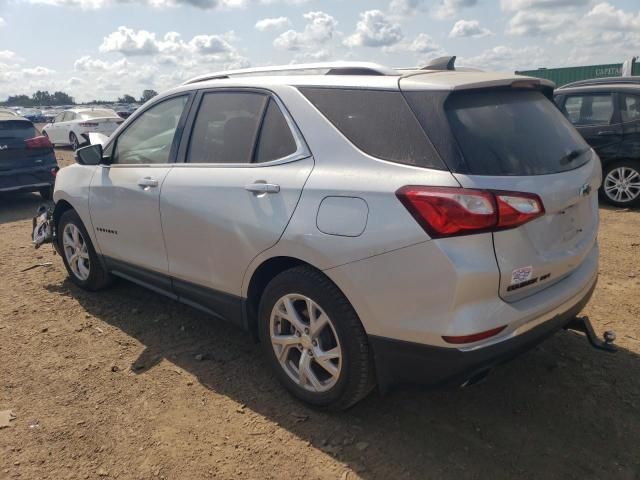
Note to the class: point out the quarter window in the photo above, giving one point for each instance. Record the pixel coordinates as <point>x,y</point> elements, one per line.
<point>148,140</point>
<point>226,127</point>
<point>630,108</point>
<point>276,140</point>
<point>589,109</point>
<point>378,122</point>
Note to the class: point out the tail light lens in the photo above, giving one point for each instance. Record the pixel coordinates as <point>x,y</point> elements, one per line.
<point>54,171</point>
<point>38,142</point>
<point>475,337</point>
<point>447,212</point>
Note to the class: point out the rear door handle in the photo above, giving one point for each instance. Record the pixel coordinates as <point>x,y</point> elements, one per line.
<point>262,188</point>
<point>148,182</point>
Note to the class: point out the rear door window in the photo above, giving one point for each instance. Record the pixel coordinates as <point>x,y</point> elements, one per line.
<point>630,110</point>
<point>226,127</point>
<point>513,132</point>
<point>583,110</point>
<point>378,122</point>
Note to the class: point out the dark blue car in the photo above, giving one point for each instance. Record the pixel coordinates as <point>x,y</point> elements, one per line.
<point>27,159</point>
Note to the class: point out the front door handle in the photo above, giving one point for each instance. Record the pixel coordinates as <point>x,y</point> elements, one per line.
<point>260,187</point>
<point>148,182</point>
<point>608,133</point>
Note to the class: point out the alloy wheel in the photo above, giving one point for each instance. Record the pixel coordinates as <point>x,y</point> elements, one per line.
<point>76,251</point>
<point>622,184</point>
<point>305,342</point>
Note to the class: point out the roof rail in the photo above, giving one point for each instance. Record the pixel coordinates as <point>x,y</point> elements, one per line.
<point>603,81</point>
<point>441,63</point>
<point>322,68</point>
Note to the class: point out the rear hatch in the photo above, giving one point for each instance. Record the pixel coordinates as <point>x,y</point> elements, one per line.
<point>15,150</point>
<point>516,140</point>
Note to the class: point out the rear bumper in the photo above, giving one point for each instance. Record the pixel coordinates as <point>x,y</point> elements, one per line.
<point>27,179</point>
<point>401,362</point>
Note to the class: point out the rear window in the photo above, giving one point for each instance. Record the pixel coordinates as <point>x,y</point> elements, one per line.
<point>97,114</point>
<point>513,132</point>
<point>19,129</point>
<point>378,122</point>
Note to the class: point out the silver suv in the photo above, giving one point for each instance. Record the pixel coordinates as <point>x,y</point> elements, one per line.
<point>368,225</point>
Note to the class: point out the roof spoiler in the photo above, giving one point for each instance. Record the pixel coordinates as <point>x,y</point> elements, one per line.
<point>441,63</point>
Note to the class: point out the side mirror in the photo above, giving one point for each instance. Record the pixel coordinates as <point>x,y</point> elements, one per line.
<point>91,155</point>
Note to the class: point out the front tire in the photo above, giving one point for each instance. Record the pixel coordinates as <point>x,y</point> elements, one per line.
<point>78,254</point>
<point>314,340</point>
<point>621,184</point>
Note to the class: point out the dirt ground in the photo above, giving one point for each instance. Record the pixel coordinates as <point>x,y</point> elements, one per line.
<point>127,384</point>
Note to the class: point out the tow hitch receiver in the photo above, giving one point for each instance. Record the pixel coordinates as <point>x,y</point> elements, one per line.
<point>583,324</point>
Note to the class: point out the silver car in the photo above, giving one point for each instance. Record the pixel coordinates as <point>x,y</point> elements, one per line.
<point>370,226</point>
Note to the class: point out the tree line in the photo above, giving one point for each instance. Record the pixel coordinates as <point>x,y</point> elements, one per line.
<point>41,98</point>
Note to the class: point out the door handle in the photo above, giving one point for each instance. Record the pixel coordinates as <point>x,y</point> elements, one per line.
<point>259,188</point>
<point>607,133</point>
<point>148,182</point>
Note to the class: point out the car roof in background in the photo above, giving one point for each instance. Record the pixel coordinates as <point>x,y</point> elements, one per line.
<point>601,87</point>
<point>4,116</point>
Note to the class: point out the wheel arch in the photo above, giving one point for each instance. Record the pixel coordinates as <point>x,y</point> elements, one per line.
<point>260,278</point>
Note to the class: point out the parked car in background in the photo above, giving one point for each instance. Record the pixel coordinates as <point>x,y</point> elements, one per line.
<point>32,114</point>
<point>72,126</point>
<point>369,225</point>
<point>606,111</point>
<point>27,160</point>
<point>8,111</point>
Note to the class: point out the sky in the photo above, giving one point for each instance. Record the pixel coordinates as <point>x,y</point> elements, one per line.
<point>106,48</point>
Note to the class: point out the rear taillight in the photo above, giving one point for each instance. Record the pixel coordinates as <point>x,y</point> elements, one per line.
<point>38,142</point>
<point>88,124</point>
<point>450,211</point>
<point>54,171</point>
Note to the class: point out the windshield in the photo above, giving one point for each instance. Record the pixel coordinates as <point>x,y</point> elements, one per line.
<point>513,132</point>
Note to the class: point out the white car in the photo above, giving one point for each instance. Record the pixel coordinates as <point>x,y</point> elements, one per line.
<point>71,127</point>
<point>369,225</point>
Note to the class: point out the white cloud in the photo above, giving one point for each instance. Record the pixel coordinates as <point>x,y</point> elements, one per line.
<point>130,42</point>
<point>202,4</point>
<point>469,28</point>
<point>405,7</point>
<point>320,28</point>
<point>272,23</point>
<point>8,55</point>
<point>503,58</point>
<point>37,72</point>
<point>172,50</point>
<point>374,30</point>
<point>450,8</point>
<point>519,5</point>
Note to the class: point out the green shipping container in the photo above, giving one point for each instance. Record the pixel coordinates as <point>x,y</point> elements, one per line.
<point>562,76</point>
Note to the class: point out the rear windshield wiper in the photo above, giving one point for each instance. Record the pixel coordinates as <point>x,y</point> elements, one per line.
<point>572,155</point>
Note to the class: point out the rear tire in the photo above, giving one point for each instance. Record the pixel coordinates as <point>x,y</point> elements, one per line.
<point>83,265</point>
<point>74,142</point>
<point>621,184</point>
<point>331,366</point>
